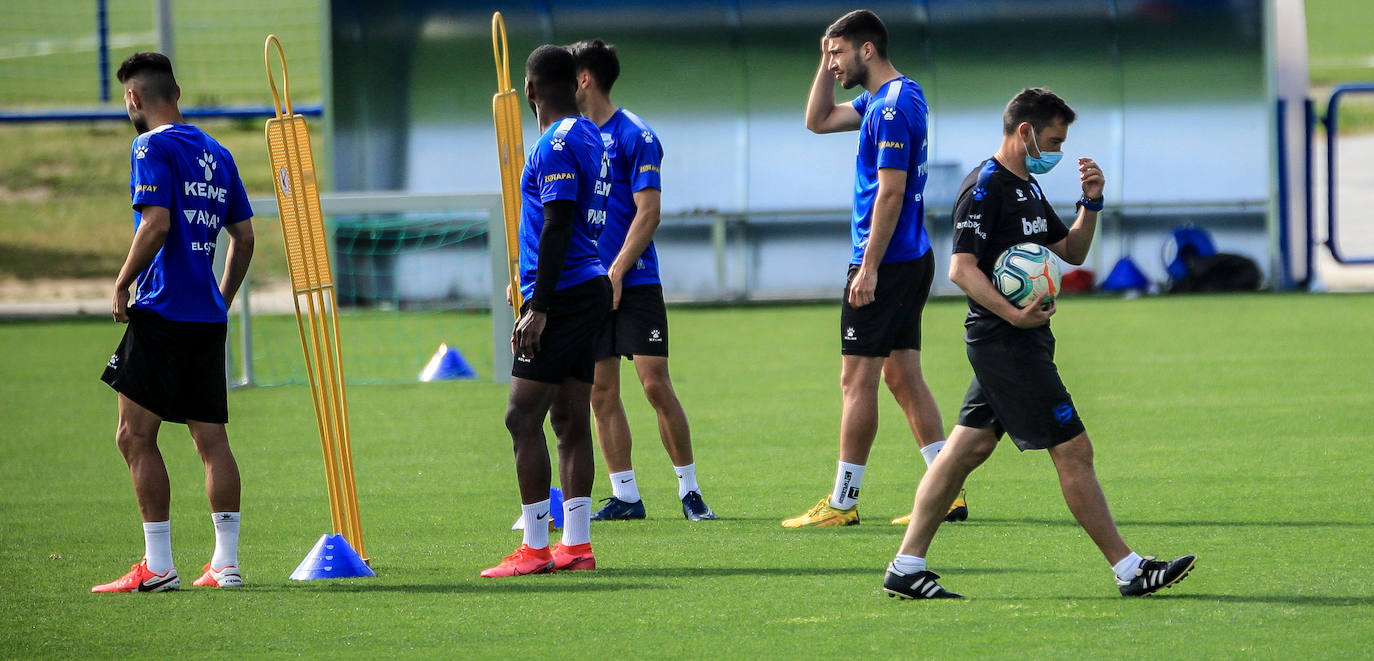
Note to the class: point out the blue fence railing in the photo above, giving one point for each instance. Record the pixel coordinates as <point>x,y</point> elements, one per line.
<point>107,114</point>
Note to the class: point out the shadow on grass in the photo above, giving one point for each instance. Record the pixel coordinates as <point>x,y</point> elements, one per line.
<point>1069,521</point>
<point>1169,595</point>
<point>1278,599</point>
<point>602,580</point>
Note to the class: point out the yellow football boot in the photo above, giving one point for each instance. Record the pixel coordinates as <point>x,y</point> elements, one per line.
<point>958,511</point>
<point>822,514</point>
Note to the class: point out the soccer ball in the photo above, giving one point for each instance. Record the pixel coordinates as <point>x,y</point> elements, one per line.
<point>1026,270</point>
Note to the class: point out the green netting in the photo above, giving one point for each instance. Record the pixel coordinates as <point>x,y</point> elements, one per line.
<point>405,283</point>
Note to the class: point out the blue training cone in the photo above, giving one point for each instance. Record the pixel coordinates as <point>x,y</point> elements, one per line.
<point>332,557</point>
<point>555,511</point>
<point>1125,276</point>
<point>447,364</point>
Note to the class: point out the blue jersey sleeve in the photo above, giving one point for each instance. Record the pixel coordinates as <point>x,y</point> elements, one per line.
<point>150,174</point>
<point>646,157</point>
<point>893,131</point>
<point>238,208</point>
<point>860,103</point>
<point>557,171</point>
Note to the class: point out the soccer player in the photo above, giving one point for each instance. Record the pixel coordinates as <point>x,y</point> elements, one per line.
<point>1016,387</point>
<point>891,269</point>
<point>170,364</point>
<point>567,298</point>
<point>638,327</point>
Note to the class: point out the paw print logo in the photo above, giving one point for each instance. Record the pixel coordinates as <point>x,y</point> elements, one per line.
<point>557,144</point>
<point>889,113</point>
<point>141,151</point>
<point>208,162</point>
<point>648,137</point>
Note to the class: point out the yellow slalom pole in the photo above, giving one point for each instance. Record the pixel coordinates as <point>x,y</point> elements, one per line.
<point>312,283</point>
<point>510,148</point>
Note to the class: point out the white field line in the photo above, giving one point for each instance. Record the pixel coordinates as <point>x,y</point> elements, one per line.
<point>86,44</point>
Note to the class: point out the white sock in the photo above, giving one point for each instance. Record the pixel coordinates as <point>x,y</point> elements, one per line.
<point>624,487</point>
<point>536,519</point>
<point>577,521</point>
<point>157,546</point>
<point>686,480</point>
<point>928,452</point>
<point>1125,570</point>
<point>847,480</point>
<point>907,564</point>
<point>226,539</point>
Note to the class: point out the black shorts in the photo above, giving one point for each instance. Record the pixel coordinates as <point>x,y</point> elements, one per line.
<point>893,320</point>
<point>639,327</point>
<point>1016,389</point>
<point>566,349</point>
<point>173,368</point>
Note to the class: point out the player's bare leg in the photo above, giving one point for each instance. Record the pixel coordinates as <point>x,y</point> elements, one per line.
<point>674,432</point>
<point>672,419</point>
<point>1073,459</point>
<point>613,435</point>
<point>612,426</point>
<point>859,413</point>
<point>529,402</point>
<point>570,418</point>
<point>966,449</point>
<point>902,373</point>
<point>222,486</point>
<point>859,377</point>
<point>136,437</point>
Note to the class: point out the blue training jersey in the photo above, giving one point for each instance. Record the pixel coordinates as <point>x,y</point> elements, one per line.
<point>567,162</point>
<point>892,134</point>
<point>636,156</point>
<point>180,167</point>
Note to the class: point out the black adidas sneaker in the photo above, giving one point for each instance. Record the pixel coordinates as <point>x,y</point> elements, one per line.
<point>920,585</point>
<point>1154,575</point>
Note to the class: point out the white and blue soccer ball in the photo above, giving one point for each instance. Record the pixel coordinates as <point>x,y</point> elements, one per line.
<point>1025,271</point>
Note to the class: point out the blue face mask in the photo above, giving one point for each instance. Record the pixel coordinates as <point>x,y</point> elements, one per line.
<point>1043,163</point>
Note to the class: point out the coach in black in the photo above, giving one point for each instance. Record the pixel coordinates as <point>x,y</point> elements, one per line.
<point>1016,387</point>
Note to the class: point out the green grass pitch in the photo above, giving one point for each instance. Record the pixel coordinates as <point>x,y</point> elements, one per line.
<point>1234,427</point>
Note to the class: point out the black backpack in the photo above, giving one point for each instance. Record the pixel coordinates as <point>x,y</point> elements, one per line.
<point>1219,272</point>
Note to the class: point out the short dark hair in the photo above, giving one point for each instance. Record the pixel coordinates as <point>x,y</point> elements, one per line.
<point>860,26</point>
<point>154,72</point>
<point>1037,105</point>
<point>599,58</point>
<point>553,71</point>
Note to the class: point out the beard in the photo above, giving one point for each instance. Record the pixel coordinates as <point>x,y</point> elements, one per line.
<point>140,124</point>
<point>534,109</point>
<point>857,78</point>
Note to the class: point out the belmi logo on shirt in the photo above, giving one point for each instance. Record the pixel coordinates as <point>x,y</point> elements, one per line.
<point>1029,227</point>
